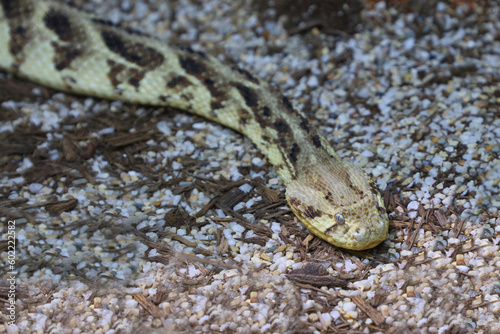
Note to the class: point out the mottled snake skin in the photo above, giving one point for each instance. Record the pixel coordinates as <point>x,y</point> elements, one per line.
<point>64,48</point>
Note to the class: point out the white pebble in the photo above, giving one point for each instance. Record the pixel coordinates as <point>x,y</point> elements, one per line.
<point>409,43</point>
<point>35,187</point>
<point>245,188</point>
<point>164,127</point>
<point>258,162</point>
<point>349,306</point>
<point>363,93</point>
<point>199,126</point>
<point>429,181</point>
<point>413,205</point>
<point>463,269</point>
<point>312,81</point>
<point>367,154</point>
<point>26,164</point>
<point>335,314</point>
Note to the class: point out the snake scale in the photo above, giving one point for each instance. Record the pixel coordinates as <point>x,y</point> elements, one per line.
<point>59,46</point>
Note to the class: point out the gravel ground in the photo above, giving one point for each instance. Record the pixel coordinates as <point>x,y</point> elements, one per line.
<point>134,219</point>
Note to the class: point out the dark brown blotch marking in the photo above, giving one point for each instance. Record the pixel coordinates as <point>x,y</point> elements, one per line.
<point>218,95</point>
<point>248,95</point>
<point>192,66</point>
<point>16,9</point>
<point>295,203</point>
<point>216,105</point>
<point>209,82</point>
<point>266,111</point>
<point>119,73</point>
<point>264,122</point>
<point>288,105</point>
<point>283,144</point>
<point>303,123</point>
<point>215,92</point>
<point>64,55</point>
<point>135,77</point>
<point>316,141</point>
<point>281,126</point>
<point>137,53</point>
<point>19,40</point>
<point>178,81</point>
<point>244,116</point>
<point>294,153</point>
<point>9,9</point>
<point>331,228</point>
<point>312,213</point>
<point>17,14</point>
<point>60,24</point>
<point>115,69</point>
<point>188,97</point>
<point>67,48</point>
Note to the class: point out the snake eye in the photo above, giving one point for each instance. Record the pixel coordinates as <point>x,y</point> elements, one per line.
<point>339,218</point>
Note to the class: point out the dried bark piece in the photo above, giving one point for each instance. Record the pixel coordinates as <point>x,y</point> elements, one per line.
<point>316,275</point>
<point>151,308</point>
<point>55,208</point>
<point>372,313</point>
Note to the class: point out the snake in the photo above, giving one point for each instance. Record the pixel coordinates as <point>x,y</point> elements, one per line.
<point>67,49</point>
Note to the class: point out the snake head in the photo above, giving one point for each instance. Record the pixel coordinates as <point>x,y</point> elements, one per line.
<point>337,203</point>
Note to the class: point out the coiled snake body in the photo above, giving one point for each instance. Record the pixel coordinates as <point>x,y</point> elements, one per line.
<point>61,47</point>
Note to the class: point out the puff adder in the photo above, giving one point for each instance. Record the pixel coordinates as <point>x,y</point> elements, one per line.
<point>69,50</point>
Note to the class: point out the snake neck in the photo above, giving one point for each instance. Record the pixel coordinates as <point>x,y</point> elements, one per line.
<point>86,55</point>
<point>60,47</point>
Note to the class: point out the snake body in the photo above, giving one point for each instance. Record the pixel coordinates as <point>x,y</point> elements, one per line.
<point>64,48</point>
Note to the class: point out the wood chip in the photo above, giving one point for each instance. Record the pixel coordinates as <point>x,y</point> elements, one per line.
<point>254,240</point>
<point>178,217</point>
<point>69,149</point>
<point>151,308</point>
<point>269,194</point>
<point>316,275</point>
<point>222,243</point>
<point>372,313</point>
<point>124,139</point>
<point>306,241</point>
<point>169,253</point>
<point>55,208</point>
<point>440,216</point>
